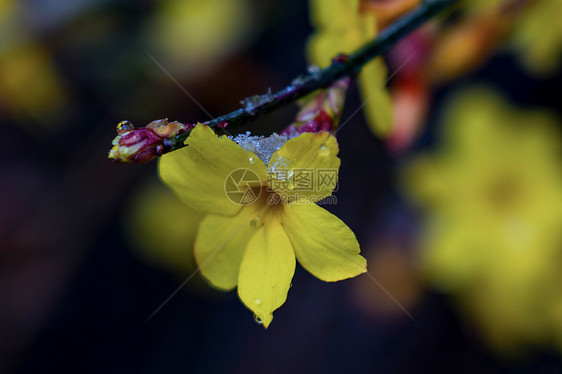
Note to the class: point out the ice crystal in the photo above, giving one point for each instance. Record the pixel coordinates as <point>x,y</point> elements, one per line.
<point>262,146</point>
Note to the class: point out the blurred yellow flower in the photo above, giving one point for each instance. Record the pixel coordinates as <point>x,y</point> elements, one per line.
<point>539,35</point>
<point>5,6</point>
<point>342,27</point>
<point>30,87</point>
<point>257,216</point>
<point>193,36</point>
<point>162,229</point>
<point>493,193</point>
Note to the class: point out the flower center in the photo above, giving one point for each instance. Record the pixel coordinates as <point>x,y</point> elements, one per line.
<point>268,197</point>
<point>504,192</point>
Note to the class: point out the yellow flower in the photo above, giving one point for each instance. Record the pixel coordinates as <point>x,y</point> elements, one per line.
<point>494,200</point>
<point>44,98</point>
<point>539,35</point>
<point>252,233</point>
<point>342,27</point>
<point>30,86</point>
<point>193,36</point>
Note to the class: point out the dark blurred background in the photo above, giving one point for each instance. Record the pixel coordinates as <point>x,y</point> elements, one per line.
<point>76,284</point>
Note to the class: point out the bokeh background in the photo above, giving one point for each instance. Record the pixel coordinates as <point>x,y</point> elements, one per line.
<point>90,249</point>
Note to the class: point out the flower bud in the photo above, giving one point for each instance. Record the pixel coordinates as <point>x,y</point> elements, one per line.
<point>140,145</point>
<point>320,111</point>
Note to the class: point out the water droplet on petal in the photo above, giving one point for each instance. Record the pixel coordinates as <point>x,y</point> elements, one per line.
<point>258,319</point>
<point>257,301</point>
<point>256,222</point>
<point>323,151</point>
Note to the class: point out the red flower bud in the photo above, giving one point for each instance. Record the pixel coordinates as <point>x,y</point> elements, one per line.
<point>321,111</point>
<point>145,143</point>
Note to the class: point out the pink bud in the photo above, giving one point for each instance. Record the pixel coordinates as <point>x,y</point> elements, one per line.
<point>138,145</point>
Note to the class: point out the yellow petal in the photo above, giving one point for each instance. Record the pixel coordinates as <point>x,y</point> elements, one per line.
<point>325,45</point>
<point>378,104</point>
<point>198,173</point>
<point>340,30</point>
<point>305,166</point>
<point>266,271</point>
<point>323,244</point>
<point>331,40</point>
<point>221,243</point>
<point>334,14</point>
